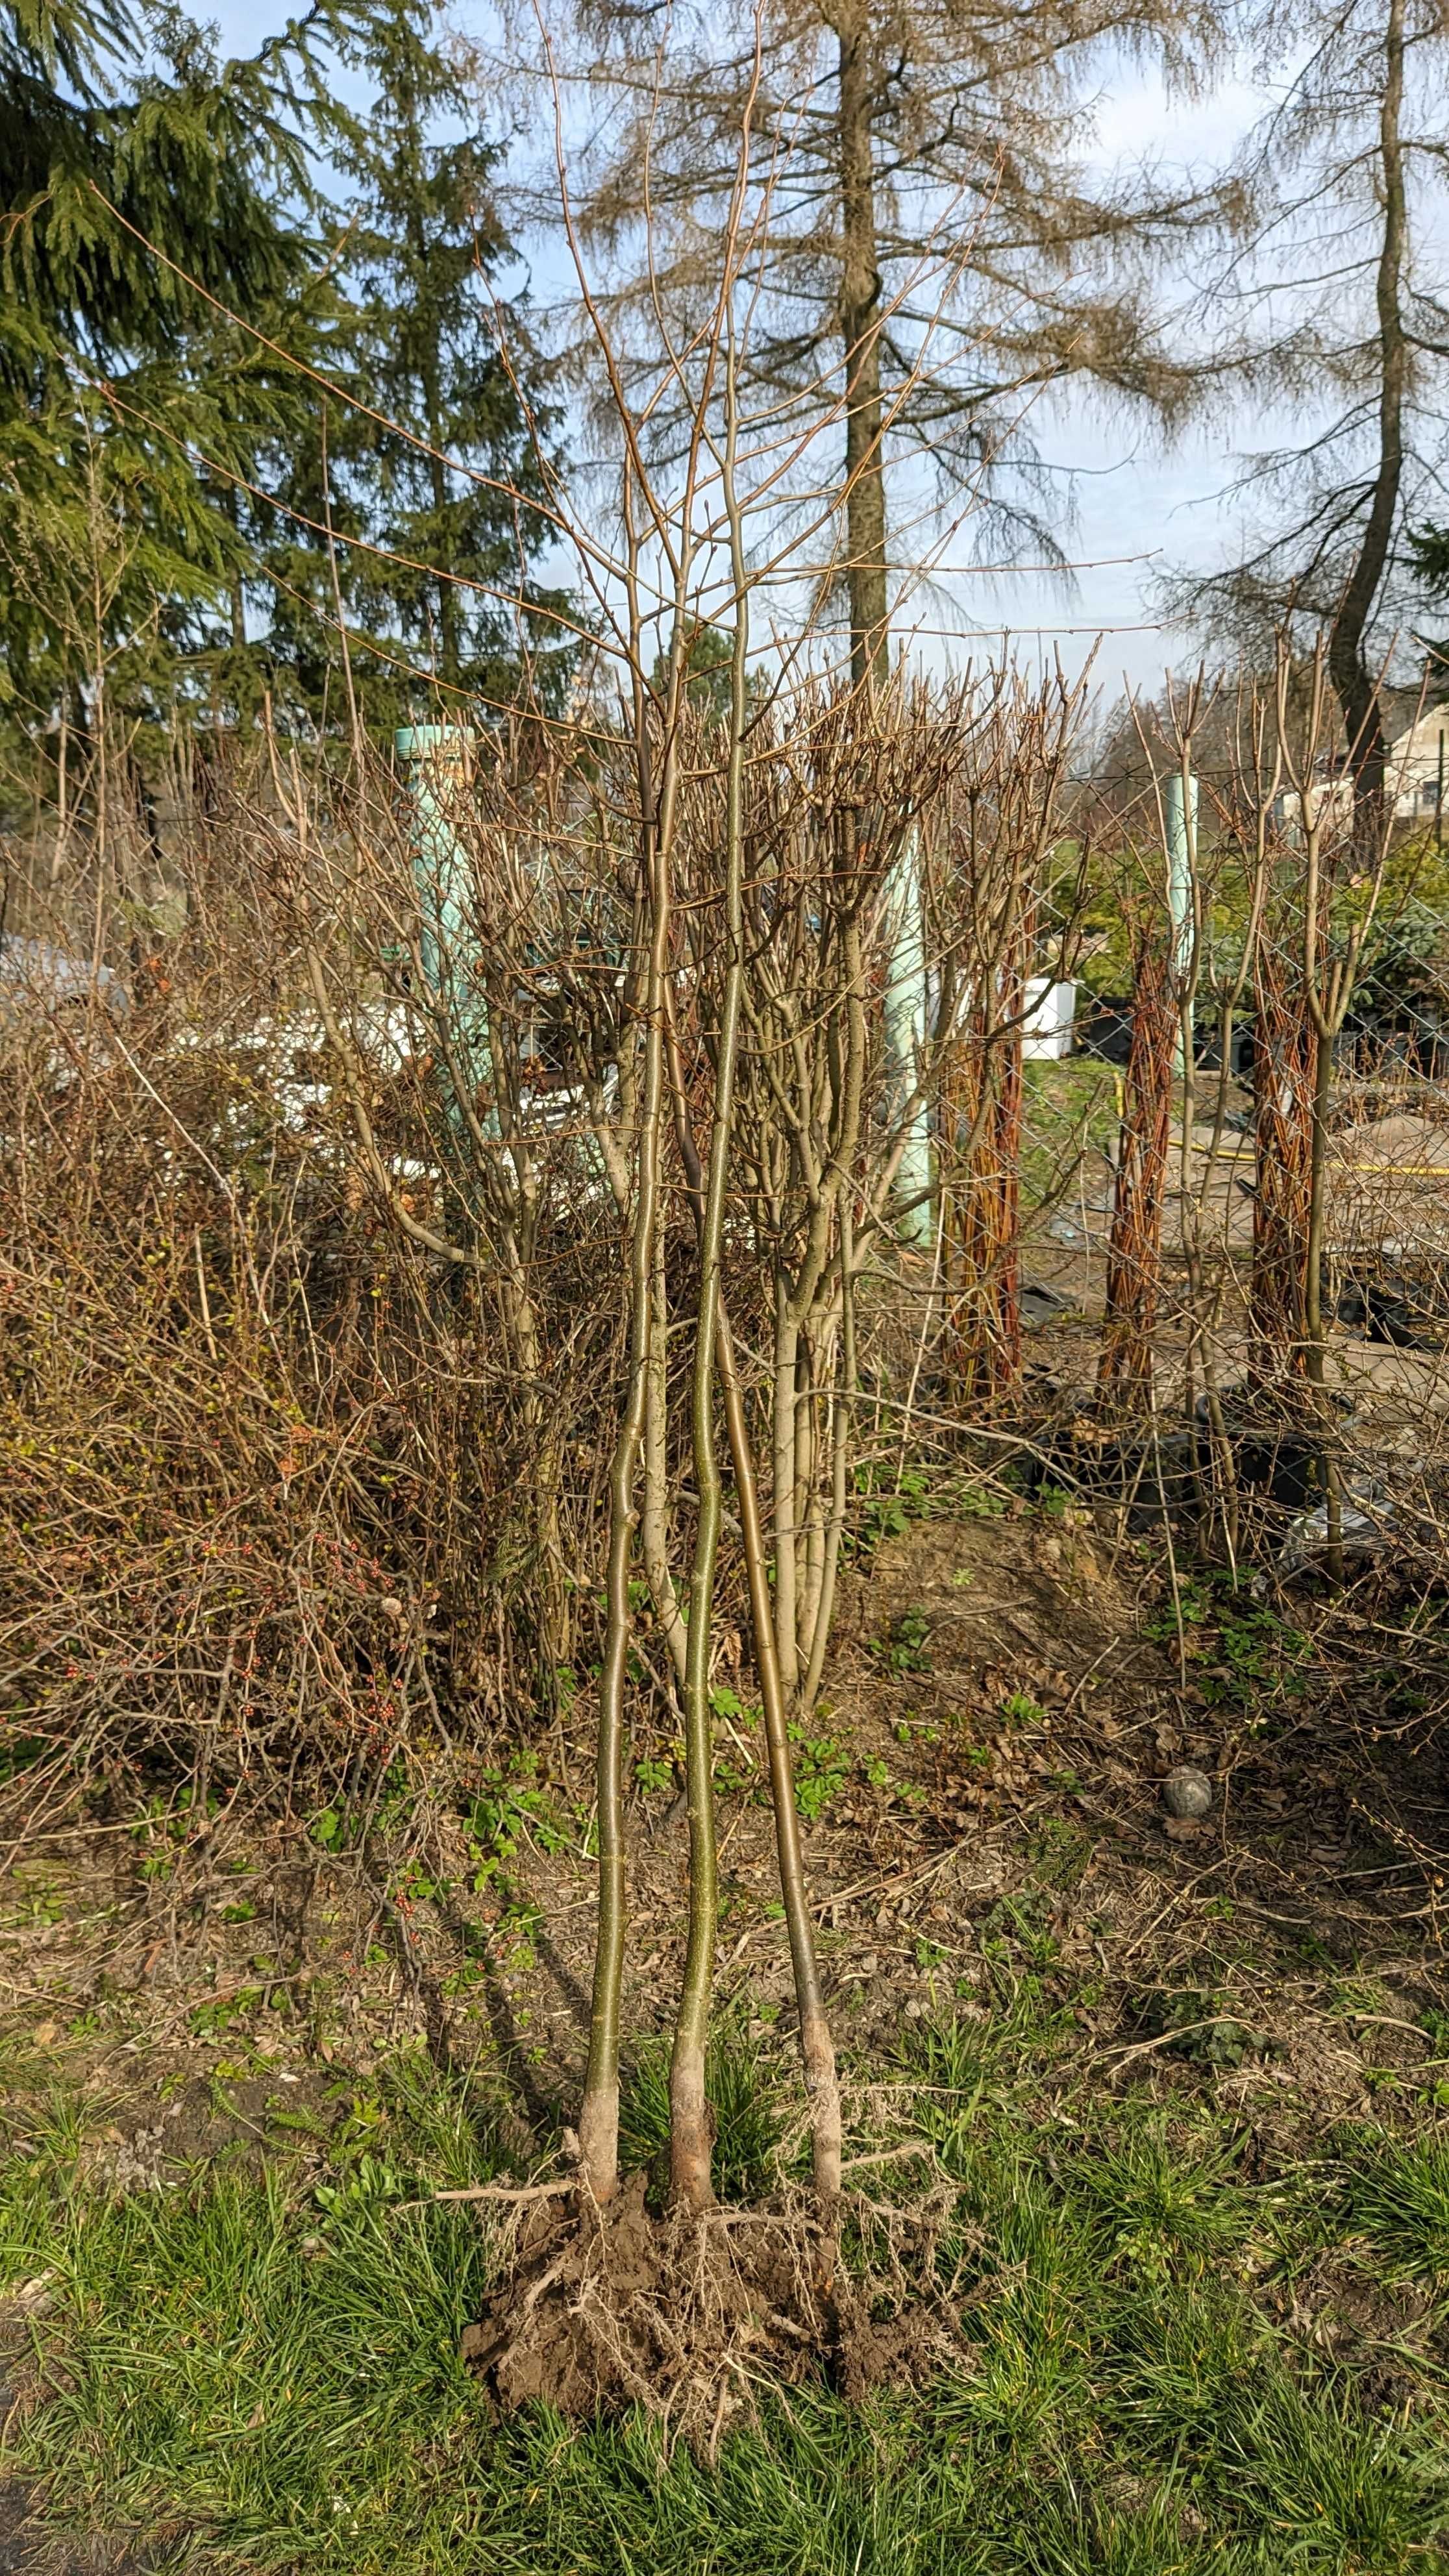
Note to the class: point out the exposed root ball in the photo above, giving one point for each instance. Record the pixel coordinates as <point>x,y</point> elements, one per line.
<point>688,2315</point>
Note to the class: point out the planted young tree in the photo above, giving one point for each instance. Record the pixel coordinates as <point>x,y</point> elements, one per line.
<point>782,836</point>
<point>690,2132</point>
<point>989,884</point>
<point>1134,1244</point>
<point>1335,903</point>
<point>695,536</point>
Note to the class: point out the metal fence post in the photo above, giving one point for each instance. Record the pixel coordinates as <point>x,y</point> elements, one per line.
<point>905,1035</point>
<point>1181,816</point>
<point>436,764</point>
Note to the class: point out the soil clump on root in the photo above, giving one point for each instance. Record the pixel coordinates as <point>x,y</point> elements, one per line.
<point>691,2315</point>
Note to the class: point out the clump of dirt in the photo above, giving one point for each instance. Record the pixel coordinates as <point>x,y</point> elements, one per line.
<point>686,2315</point>
<point>1012,1591</point>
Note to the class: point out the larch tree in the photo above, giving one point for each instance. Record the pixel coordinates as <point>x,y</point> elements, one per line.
<point>938,252</point>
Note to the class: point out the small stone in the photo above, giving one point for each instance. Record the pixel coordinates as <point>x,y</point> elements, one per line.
<point>1187,1792</point>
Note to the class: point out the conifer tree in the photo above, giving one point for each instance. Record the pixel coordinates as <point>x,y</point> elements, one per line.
<point>440,517</point>
<point>178,283</point>
<point>147,192</point>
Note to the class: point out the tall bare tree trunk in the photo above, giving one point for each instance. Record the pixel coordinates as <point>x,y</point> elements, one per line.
<point>860,288</point>
<point>1355,683</point>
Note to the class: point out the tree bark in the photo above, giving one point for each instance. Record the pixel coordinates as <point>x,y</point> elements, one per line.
<point>860,287</point>
<point>690,2127</point>
<point>654,1520</point>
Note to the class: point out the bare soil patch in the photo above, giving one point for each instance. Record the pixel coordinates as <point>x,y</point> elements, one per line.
<point>982,1802</point>
<point>29,2548</point>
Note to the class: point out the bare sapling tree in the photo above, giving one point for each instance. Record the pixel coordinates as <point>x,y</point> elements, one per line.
<point>1331,848</point>
<point>690,2129</point>
<point>688,526</point>
<point>599,2109</point>
<point>817,2046</point>
<point>992,925</point>
<point>1225,886</point>
<point>1125,1366</point>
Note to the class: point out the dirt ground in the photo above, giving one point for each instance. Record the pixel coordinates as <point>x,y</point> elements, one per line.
<point>28,2549</point>
<point>983,1794</point>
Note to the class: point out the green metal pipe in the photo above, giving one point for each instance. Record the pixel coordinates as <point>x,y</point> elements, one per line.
<point>435,759</point>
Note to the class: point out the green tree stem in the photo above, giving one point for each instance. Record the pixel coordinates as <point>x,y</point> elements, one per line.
<point>690,2139</point>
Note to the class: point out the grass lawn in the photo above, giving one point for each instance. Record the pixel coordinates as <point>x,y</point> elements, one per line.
<point>1194,2348</point>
